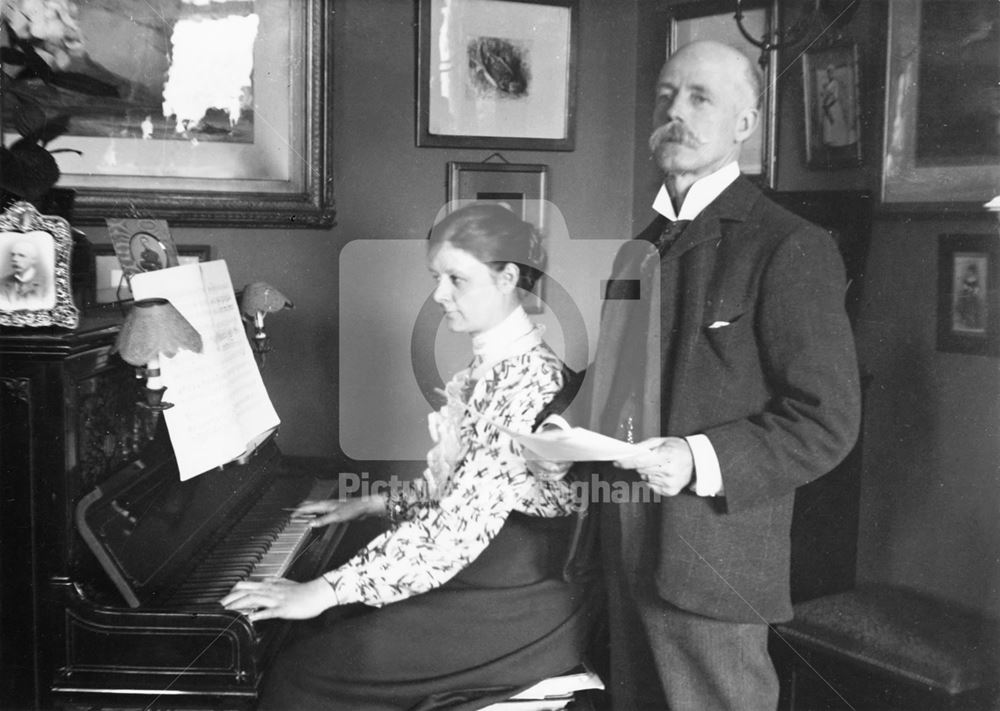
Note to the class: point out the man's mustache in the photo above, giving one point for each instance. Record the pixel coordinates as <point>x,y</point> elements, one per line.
<point>672,133</point>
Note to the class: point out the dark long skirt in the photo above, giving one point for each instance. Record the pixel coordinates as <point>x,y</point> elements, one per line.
<point>505,622</point>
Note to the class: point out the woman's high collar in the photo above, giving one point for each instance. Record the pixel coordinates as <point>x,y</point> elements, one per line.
<point>515,334</point>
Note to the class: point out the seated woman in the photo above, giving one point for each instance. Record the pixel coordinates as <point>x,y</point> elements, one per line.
<point>466,600</point>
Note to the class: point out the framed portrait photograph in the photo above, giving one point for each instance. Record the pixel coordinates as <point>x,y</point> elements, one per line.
<point>713,20</point>
<point>833,114</point>
<point>520,187</point>
<point>111,284</point>
<point>942,91</point>
<point>222,113</point>
<point>497,74</point>
<point>968,296</point>
<point>35,254</point>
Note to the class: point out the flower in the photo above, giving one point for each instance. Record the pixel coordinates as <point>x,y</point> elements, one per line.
<point>41,39</point>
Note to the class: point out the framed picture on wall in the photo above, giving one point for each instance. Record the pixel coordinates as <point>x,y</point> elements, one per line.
<point>968,316</point>
<point>212,122</point>
<point>520,187</point>
<point>942,91</point>
<point>497,74</point>
<point>833,114</point>
<point>713,20</point>
<point>110,284</point>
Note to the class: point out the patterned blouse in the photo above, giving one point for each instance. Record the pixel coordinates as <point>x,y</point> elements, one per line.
<point>475,476</point>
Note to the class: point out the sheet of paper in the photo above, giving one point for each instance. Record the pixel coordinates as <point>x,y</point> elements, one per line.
<point>572,444</point>
<point>220,403</point>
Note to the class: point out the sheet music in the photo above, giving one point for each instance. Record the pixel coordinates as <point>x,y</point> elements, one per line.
<point>562,443</point>
<point>220,403</point>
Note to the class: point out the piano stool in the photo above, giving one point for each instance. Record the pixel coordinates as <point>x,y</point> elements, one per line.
<point>888,648</point>
<point>577,690</point>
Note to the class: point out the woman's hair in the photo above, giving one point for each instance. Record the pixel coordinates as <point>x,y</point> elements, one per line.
<point>495,236</point>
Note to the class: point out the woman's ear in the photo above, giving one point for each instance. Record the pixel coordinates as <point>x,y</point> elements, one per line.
<point>508,276</point>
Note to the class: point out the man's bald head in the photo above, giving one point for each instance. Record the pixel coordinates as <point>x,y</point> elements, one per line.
<point>743,70</point>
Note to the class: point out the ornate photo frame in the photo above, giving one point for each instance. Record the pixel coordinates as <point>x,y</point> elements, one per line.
<point>830,83</point>
<point>497,74</point>
<point>260,154</point>
<point>942,85</point>
<point>35,254</point>
<point>968,317</point>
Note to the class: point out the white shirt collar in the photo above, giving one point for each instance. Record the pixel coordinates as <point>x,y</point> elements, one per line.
<point>700,196</point>
<point>28,275</point>
<point>515,334</point>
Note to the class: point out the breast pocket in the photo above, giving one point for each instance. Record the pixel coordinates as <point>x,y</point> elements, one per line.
<point>726,335</point>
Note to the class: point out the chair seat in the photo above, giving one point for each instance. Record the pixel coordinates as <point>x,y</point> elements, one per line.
<point>903,634</point>
<point>550,694</point>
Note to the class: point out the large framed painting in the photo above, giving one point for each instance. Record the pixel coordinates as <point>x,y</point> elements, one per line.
<point>713,20</point>
<point>497,74</point>
<point>968,295</point>
<point>222,114</point>
<point>942,142</point>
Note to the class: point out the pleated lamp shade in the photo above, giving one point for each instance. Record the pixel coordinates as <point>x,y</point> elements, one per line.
<point>155,327</point>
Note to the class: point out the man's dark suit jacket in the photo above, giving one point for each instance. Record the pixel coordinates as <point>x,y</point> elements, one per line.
<point>776,391</point>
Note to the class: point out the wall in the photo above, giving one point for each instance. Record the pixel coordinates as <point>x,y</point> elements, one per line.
<point>387,188</point>
<point>931,486</point>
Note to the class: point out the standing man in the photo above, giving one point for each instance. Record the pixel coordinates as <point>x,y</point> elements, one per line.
<point>750,390</point>
<point>25,283</point>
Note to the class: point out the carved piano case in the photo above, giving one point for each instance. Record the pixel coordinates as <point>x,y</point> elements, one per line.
<point>109,565</point>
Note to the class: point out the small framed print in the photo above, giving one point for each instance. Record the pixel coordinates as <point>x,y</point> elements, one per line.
<point>521,187</point>
<point>35,254</point>
<point>497,74</point>
<point>833,114</point>
<point>111,286</point>
<point>142,245</point>
<point>968,316</point>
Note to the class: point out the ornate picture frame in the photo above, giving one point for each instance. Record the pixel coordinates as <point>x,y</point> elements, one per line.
<point>35,254</point>
<point>519,186</point>
<point>830,83</point>
<point>942,85</point>
<point>497,74</point>
<point>968,318</point>
<point>264,160</point>
<point>713,20</point>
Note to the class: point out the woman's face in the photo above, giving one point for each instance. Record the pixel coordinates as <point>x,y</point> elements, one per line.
<point>474,296</point>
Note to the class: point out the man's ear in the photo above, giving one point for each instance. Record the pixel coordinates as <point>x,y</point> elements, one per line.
<point>746,123</point>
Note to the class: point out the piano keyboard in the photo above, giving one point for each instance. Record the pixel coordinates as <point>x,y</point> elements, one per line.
<point>265,542</point>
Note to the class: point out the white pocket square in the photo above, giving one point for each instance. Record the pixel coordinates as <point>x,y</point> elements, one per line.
<point>720,324</point>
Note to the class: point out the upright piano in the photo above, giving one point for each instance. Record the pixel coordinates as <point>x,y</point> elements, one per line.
<point>111,568</point>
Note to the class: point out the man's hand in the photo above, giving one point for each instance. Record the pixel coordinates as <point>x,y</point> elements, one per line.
<point>668,467</point>
<point>278,597</point>
<point>330,511</point>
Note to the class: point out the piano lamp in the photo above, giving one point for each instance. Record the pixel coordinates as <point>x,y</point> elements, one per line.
<point>155,328</point>
<point>258,300</point>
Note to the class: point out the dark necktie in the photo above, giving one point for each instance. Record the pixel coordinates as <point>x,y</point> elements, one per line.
<point>671,231</point>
